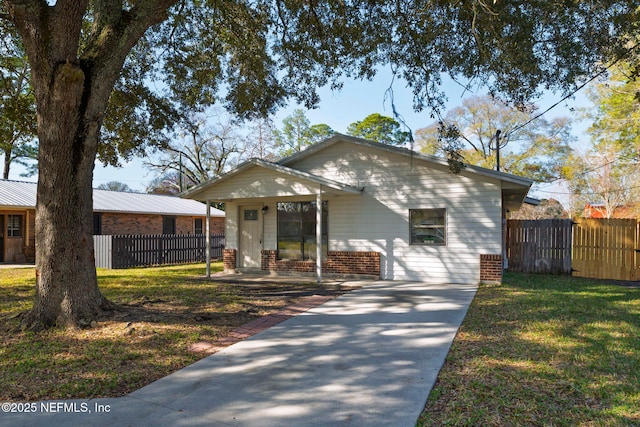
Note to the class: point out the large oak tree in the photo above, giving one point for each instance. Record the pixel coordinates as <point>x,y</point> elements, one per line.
<point>125,67</point>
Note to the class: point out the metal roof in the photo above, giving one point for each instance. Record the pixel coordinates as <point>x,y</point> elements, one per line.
<point>19,194</point>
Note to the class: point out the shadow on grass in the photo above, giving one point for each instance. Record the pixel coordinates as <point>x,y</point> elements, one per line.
<point>543,350</point>
<point>159,314</point>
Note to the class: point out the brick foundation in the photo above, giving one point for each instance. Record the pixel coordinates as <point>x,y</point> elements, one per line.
<point>490,268</point>
<point>337,262</point>
<point>229,259</point>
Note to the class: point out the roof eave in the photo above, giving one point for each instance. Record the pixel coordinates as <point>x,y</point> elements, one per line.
<point>16,207</point>
<point>406,152</point>
<point>193,193</point>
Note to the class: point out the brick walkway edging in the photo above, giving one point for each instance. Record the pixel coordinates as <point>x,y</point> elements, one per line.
<point>258,325</point>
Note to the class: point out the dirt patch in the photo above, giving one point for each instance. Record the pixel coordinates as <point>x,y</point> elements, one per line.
<point>258,299</point>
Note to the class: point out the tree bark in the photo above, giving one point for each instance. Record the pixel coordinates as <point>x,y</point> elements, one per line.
<point>72,86</point>
<point>7,163</point>
<point>67,289</point>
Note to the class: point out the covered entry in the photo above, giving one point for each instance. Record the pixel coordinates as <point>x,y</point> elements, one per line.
<point>254,194</point>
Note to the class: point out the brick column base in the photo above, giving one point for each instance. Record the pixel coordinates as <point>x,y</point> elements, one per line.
<point>229,260</point>
<point>491,269</point>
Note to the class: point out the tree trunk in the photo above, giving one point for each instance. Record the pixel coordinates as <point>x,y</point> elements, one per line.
<point>7,163</point>
<point>72,81</point>
<point>67,289</point>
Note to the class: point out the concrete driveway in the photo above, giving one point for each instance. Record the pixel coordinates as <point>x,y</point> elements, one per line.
<point>367,358</point>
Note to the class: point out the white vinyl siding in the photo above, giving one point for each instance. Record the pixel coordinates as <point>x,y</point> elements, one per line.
<point>378,219</point>
<point>259,182</point>
<point>232,224</point>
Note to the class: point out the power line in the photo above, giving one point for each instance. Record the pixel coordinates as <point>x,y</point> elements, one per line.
<point>589,193</point>
<point>537,116</point>
<point>586,171</point>
<point>606,69</point>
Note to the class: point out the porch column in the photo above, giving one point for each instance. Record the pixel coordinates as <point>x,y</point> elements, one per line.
<point>319,234</point>
<point>207,239</point>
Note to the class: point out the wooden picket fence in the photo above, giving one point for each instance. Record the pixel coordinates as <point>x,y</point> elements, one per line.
<point>126,251</point>
<point>594,248</point>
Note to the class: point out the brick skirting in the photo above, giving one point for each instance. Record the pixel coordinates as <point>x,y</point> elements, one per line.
<point>229,259</point>
<point>337,262</point>
<point>490,268</point>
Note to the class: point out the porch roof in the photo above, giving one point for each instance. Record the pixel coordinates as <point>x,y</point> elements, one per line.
<point>258,178</point>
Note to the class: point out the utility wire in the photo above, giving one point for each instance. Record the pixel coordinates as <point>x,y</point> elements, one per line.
<point>587,171</point>
<point>606,69</point>
<point>590,193</point>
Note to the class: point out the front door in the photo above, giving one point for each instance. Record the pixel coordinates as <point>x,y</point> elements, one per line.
<point>250,236</point>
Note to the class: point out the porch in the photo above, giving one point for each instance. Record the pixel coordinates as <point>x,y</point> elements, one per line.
<point>276,221</point>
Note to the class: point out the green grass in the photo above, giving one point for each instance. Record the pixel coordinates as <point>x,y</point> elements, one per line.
<point>543,351</point>
<point>163,312</point>
<point>537,350</point>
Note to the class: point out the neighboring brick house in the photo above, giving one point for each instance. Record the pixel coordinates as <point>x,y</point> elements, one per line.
<point>114,213</point>
<point>599,210</point>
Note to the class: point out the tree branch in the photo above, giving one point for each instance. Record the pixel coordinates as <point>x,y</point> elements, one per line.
<point>116,31</point>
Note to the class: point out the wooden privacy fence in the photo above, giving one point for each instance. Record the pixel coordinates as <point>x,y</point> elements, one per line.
<point>595,248</point>
<point>606,249</point>
<point>126,251</point>
<point>539,246</point>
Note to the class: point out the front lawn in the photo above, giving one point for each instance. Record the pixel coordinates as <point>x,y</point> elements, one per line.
<point>543,350</point>
<point>163,312</point>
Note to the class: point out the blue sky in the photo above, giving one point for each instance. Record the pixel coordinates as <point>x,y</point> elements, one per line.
<point>354,102</point>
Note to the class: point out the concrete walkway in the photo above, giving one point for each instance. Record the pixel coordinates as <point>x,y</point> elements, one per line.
<point>11,266</point>
<point>367,358</point>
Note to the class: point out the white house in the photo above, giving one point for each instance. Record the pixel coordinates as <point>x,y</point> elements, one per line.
<point>386,212</point>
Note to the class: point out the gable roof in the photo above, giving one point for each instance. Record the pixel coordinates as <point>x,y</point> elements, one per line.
<point>19,194</point>
<point>338,137</point>
<point>225,187</point>
<point>200,192</point>
<point>514,188</point>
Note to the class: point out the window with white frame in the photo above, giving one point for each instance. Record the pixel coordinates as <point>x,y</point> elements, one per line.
<point>14,225</point>
<point>428,226</point>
